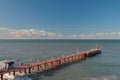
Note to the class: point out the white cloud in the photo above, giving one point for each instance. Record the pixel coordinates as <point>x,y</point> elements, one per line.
<point>6,33</point>
<point>100,34</point>
<point>3,28</point>
<point>108,33</point>
<point>32,33</point>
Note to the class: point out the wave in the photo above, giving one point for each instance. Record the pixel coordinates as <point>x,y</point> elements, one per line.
<point>8,76</point>
<point>110,77</point>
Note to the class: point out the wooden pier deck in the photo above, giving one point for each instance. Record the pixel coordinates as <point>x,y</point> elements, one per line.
<point>40,66</point>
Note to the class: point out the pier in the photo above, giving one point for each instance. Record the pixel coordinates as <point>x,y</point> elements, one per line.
<point>49,64</point>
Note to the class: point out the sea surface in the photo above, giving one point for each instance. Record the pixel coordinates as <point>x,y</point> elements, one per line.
<point>105,66</point>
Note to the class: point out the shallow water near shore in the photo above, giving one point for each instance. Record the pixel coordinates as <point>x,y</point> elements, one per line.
<point>105,66</point>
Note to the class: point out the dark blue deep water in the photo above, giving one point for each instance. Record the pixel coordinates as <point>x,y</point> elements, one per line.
<point>105,66</point>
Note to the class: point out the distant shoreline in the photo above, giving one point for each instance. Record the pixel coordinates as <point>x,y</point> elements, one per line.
<point>59,39</point>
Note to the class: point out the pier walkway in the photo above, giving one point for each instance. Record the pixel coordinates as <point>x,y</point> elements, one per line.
<point>49,64</point>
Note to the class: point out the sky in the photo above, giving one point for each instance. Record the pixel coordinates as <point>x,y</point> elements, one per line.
<point>59,19</point>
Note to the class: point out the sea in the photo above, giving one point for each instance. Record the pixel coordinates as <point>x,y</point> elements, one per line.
<point>105,66</point>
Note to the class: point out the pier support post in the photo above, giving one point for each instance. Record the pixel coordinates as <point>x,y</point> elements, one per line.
<point>54,64</point>
<point>64,61</point>
<point>45,65</point>
<point>25,70</point>
<point>76,57</point>
<point>38,67</point>
<point>70,59</point>
<point>29,69</point>
<point>1,76</point>
<point>33,68</point>
<point>13,73</point>
<point>51,64</point>
<point>58,62</point>
<point>73,58</point>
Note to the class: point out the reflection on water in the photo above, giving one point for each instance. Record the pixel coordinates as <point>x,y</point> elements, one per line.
<point>22,78</point>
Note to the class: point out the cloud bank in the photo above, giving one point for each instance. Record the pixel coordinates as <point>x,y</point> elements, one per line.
<point>6,33</point>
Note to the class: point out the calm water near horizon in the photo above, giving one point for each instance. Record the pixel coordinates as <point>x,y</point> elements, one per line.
<point>105,66</point>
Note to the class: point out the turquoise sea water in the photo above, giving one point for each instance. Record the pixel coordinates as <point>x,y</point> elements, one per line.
<point>105,66</point>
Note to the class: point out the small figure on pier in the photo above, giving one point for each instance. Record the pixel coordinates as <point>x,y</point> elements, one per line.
<point>97,47</point>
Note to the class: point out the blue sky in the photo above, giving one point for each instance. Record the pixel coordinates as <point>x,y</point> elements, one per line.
<point>82,19</point>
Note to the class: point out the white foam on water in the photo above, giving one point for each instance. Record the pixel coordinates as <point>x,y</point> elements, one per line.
<point>8,77</point>
<point>110,77</point>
